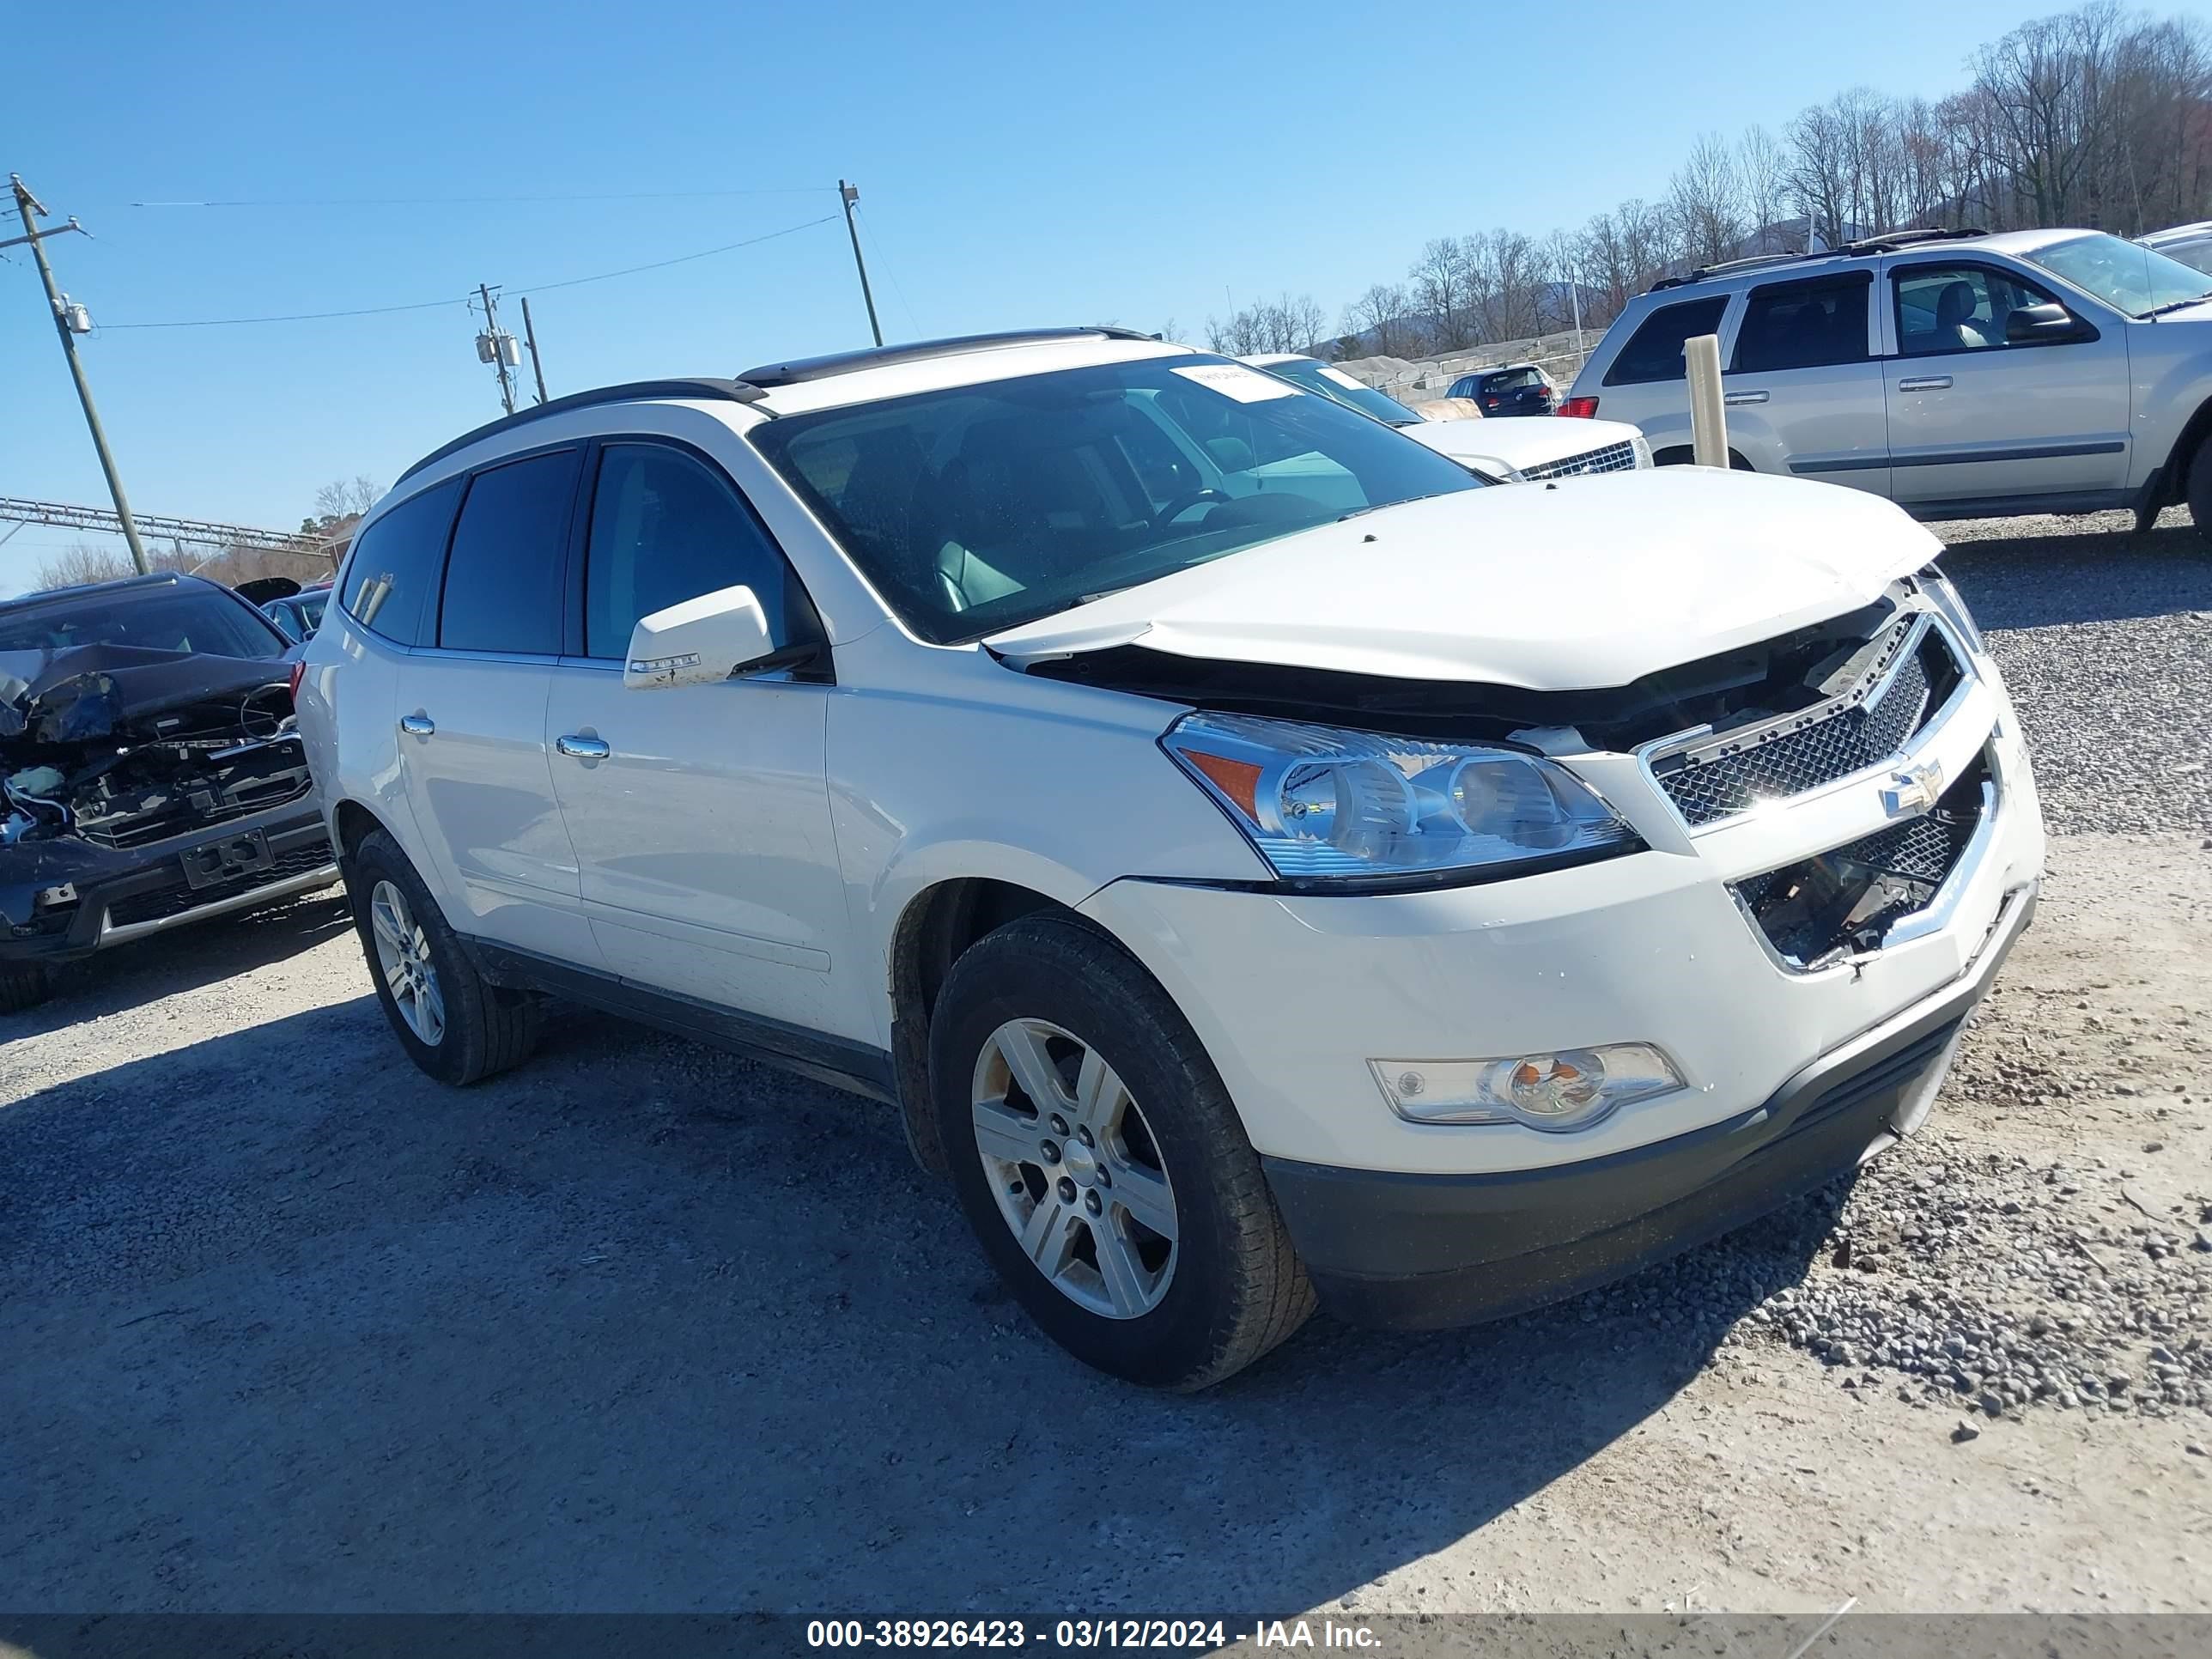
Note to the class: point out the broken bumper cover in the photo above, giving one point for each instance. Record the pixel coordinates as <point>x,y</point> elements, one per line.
<point>127,893</point>
<point>1415,1252</point>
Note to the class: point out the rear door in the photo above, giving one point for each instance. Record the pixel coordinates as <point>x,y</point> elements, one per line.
<point>700,814</point>
<point>472,711</point>
<point>1803,388</point>
<point>1974,419</point>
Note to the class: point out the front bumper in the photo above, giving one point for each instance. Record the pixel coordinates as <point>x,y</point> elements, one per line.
<point>1421,1252</point>
<point>128,893</point>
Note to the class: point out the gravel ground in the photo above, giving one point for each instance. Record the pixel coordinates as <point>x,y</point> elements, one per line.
<point>642,1325</point>
<point>2106,641</point>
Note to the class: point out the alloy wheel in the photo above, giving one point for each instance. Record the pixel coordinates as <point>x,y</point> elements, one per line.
<point>1077,1172</point>
<point>403,955</point>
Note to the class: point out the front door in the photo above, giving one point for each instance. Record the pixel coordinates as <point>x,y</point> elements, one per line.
<point>700,814</point>
<point>1974,419</point>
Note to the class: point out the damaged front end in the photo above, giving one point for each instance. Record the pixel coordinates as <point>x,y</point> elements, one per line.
<point>139,786</point>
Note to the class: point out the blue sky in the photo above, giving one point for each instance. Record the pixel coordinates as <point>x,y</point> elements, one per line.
<point>1018,164</point>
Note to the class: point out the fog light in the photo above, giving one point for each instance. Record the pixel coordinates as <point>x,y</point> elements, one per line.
<point>1565,1089</point>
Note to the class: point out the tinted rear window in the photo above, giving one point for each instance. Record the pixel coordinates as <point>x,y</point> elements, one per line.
<point>1654,352</point>
<point>503,580</point>
<point>391,578</point>
<point>1805,324</point>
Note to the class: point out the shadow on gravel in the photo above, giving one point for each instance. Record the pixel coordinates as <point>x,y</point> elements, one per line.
<point>2078,575</point>
<point>648,1327</point>
<point>206,953</point>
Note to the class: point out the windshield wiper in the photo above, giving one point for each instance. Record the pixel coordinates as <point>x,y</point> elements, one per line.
<point>2176,305</point>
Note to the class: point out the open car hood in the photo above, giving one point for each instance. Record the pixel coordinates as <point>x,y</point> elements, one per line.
<point>1546,589</point>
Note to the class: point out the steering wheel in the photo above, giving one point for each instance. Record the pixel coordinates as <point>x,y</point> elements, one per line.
<point>1183,503</point>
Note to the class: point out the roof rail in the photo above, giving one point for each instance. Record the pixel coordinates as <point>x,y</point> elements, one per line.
<point>1858,248</point>
<point>736,392</point>
<point>1896,239</point>
<point>800,369</point>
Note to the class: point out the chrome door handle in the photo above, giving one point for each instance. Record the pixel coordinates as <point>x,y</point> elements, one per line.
<point>576,748</point>
<point>1744,397</point>
<point>1925,383</point>
<point>417,726</point>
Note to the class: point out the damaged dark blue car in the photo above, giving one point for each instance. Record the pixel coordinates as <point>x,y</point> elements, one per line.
<point>150,772</point>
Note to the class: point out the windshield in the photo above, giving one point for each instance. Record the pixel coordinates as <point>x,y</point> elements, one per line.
<point>1336,383</point>
<point>183,619</point>
<point>2126,276</point>
<point>980,507</point>
<point>2196,254</point>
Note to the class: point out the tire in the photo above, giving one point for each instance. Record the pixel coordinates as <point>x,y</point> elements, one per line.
<point>22,987</point>
<point>480,1027</point>
<point>1228,1287</point>
<point>2199,489</point>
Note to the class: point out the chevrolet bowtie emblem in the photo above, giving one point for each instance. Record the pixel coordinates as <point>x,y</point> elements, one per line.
<point>1915,789</point>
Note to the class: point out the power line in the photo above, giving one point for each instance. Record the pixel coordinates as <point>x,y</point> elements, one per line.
<point>431,305</point>
<point>292,317</point>
<point>889,269</point>
<point>482,201</point>
<point>681,258</point>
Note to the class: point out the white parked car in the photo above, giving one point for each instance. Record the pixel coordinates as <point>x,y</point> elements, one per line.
<point>1247,870</point>
<point>1516,451</point>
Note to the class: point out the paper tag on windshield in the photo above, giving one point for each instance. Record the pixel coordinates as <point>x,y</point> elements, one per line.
<point>1342,378</point>
<point>1247,386</point>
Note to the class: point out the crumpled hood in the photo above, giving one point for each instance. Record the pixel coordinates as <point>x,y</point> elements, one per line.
<point>1580,587</point>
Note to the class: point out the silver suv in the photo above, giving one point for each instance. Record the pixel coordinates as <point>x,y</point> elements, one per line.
<point>1960,375</point>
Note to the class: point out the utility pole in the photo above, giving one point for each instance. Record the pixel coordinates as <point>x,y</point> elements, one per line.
<point>67,318</point>
<point>529,333</point>
<point>849,194</point>
<point>496,349</point>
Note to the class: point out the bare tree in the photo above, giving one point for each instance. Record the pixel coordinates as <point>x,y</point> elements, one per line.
<point>1762,168</point>
<point>1706,201</point>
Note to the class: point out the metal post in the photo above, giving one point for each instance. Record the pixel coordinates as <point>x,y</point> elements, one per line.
<point>529,333</point>
<point>849,194</point>
<point>491,333</point>
<point>1701,355</point>
<point>25,205</point>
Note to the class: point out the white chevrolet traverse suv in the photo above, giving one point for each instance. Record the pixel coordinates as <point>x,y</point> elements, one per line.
<point>1250,872</point>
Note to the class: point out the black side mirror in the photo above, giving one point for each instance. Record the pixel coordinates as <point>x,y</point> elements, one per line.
<point>2042,324</point>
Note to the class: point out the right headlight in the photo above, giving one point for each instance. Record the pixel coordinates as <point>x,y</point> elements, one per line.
<point>1326,805</point>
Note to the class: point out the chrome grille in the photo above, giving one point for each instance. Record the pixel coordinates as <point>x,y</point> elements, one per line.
<point>1711,778</point>
<point>1614,458</point>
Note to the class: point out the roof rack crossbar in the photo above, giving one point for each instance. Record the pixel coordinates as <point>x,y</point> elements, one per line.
<point>1895,239</point>
<point>705,387</point>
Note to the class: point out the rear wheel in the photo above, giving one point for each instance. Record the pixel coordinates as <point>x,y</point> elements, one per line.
<point>22,987</point>
<point>1101,1163</point>
<point>454,1023</point>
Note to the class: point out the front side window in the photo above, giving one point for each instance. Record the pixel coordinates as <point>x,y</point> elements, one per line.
<point>1654,352</point>
<point>979,507</point>
<point>2126,276</point>
<point>391,578</point>
<point>665,527</point>
<point>1804,324</point>
<point>1958,307</point>
<point>503,578</point>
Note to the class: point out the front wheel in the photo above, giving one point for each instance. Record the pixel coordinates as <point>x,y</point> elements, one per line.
<point>1101,1161</point>
<point>454,1023</point>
